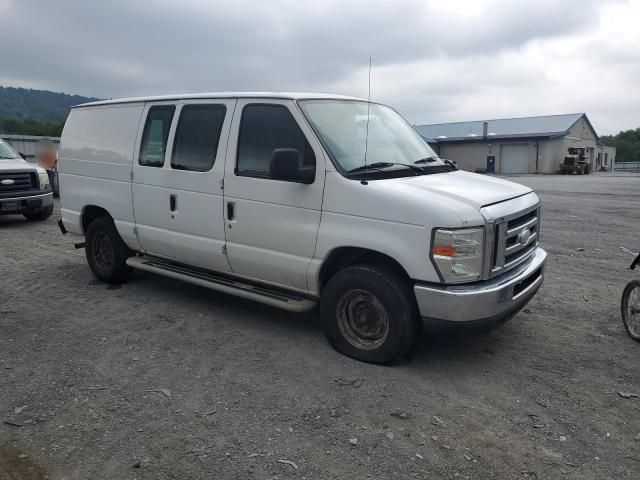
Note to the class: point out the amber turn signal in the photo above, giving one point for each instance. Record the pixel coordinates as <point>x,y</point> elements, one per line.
<point>444,250</point>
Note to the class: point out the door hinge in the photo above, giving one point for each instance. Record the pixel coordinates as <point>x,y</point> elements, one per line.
<point>131,174</point>
<point>135,231</point>
<point>222,184</point>
<point>224,249</point>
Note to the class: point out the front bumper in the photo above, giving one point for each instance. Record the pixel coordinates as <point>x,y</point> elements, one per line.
<point>492,301</point>
<point>25,203</point>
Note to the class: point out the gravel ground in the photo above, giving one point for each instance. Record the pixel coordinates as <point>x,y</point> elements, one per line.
<point>159,379</point>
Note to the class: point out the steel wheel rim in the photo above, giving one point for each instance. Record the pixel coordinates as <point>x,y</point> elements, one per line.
<point>632,311</point>
<point>362,319</point>
<point>102,250</point>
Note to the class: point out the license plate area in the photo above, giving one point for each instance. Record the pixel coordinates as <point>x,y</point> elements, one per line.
<point>10,206</point>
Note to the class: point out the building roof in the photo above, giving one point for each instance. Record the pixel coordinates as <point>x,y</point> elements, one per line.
<point>190,96</point>
<point>524,127</point>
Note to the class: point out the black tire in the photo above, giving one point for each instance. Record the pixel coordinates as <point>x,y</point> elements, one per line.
<point>106,252</point>
<point>40,214</point>
<point>387,323</point>
<point>630,307</point>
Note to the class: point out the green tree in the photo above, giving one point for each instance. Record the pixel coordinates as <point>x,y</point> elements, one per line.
<point>627,145</point>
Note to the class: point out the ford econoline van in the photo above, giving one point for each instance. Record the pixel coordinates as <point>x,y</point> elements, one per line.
<point>299,201</point>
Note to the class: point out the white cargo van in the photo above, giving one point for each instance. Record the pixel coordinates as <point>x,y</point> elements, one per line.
<point>298,201</point>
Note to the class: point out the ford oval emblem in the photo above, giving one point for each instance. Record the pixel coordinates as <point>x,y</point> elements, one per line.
<point>524,236</point>
<point>8,181</point>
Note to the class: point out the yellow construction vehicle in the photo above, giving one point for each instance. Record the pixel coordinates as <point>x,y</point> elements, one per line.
<point>575,162</point>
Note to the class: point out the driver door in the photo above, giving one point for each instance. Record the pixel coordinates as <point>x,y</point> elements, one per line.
<point>271,225</point>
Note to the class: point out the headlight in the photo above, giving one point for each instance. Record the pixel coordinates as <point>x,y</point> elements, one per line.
<point>43,177</point>
<point>458,254</point>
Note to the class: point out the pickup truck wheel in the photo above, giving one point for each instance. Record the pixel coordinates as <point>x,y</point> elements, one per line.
<point>369,314</point>
<point>106,252</point>
<point>39,215</point>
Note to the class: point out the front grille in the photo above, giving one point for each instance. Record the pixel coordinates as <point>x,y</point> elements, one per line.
<point>516,238</point>
<point>17,181</point>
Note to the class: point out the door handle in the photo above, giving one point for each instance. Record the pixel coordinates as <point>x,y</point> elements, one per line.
<point>231,210</point>
<point>173,202</point>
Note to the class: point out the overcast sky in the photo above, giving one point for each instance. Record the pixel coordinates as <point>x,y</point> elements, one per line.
<point>434,60</point>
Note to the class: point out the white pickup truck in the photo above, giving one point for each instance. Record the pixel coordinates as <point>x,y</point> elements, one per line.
<point>299,201</point>
<point>24,187</point>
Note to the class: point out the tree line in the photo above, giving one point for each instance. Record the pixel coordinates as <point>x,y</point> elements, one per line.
<point>627,145</point>
<point>30,127</point>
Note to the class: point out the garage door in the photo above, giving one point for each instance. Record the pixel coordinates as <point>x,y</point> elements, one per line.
<point>514,158</point>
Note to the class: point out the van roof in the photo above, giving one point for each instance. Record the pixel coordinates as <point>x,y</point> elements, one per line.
<point>213,95</point>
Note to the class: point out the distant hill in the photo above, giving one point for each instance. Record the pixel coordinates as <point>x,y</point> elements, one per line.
<point>37,105</point>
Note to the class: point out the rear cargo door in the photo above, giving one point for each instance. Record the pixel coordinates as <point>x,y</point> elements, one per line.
<point>150,179</point>
<point>194,182</point>
<point>177,181</point>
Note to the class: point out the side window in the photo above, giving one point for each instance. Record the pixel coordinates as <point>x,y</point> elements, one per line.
<point>264,128</point>
<point>155,135</point>
<point>197,136</point>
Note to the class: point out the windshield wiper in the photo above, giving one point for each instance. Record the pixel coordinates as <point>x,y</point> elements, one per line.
<point>430,159</point>
<point>381,165</point>
<point>2,157</point>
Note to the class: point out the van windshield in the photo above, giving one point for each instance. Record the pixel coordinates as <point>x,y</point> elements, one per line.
<point>6,152</point>
<point>392,142</point>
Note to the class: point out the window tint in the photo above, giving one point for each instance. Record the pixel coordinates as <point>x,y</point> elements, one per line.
<point>155,135</point>
<point>197,136</point>
<point>263,129</point>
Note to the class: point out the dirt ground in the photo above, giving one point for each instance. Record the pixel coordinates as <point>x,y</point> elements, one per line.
<point>160,379</point>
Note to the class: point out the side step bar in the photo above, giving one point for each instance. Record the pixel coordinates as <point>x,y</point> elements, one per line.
<point>259,293</point>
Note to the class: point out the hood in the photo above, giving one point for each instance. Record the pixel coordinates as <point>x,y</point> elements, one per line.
<point>451,199</point>
<point>469,188</point>
<point>16,164</point>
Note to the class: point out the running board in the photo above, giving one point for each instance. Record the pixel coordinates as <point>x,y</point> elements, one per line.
<point>259,293</point>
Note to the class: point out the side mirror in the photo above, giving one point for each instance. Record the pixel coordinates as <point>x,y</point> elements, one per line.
<point>285,165</point>
<point>22,155</point>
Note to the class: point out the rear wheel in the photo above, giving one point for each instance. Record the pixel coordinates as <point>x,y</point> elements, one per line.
<point>631,309</point>
<point>40,214</point>
<point>106,252</point>
<point>369,313</point>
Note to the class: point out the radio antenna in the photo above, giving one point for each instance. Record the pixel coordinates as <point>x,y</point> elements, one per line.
<point>366,135</point>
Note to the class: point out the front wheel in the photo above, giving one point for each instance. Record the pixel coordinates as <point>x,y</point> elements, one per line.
<point>631,309</point>
<point>369,313</point>
<point>106,252</point>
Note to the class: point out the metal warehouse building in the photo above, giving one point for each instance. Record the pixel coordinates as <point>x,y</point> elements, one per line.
<point>518,145</point>
<point>29,145</point>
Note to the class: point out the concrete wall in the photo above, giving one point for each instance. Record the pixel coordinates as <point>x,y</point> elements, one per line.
<point>550,155</point>
<point>610,158</point>
<point>473,156</point>
<point>605,157</point>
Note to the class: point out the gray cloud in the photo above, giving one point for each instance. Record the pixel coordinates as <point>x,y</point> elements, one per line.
<point>429,56</point>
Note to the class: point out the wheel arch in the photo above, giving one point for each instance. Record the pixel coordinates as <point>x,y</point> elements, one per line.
<point>90,213</point>
<point>343,257</point>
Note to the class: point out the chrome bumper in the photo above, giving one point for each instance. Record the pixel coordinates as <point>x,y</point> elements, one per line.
<point>492,300</point>
<point>28,202</point>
